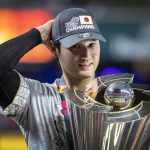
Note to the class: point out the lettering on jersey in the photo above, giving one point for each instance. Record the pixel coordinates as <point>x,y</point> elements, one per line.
<point>79,23</point>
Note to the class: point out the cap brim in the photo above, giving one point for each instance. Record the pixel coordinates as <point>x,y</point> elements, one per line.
<point>71,40</point>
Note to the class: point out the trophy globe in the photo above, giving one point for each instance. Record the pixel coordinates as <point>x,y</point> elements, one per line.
<point>119,95</point>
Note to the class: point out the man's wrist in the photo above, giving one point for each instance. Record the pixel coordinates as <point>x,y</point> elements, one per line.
<point>42,33</point>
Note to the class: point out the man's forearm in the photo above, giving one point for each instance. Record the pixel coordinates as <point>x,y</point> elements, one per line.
<point>13,50</point>
<point>10,53</point>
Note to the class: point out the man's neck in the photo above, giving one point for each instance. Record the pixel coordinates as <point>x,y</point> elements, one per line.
<point>76,83</point>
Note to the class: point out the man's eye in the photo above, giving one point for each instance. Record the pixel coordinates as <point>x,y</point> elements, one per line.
<point>92,45</point>
<point>75,46</point>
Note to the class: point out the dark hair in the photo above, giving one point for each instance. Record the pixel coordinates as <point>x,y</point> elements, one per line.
<point>54,47</point>
<point>57,45</point>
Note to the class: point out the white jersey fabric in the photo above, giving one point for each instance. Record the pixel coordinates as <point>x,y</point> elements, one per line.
<point>37,110</point>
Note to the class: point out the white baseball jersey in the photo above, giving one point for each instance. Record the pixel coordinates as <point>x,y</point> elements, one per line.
<point>37,110</point>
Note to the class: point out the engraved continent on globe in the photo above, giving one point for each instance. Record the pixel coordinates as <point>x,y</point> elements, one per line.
<point>119,95</point>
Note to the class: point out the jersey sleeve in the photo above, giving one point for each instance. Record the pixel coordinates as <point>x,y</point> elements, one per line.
<point>18,105</point>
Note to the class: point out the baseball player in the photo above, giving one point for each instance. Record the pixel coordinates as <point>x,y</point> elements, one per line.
<point>39,108</point>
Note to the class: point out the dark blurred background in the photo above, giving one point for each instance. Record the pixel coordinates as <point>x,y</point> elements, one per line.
<point>125,24</point>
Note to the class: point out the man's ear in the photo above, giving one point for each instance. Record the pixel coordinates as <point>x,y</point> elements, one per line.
<point>54,48</point>
<point>56,53</point>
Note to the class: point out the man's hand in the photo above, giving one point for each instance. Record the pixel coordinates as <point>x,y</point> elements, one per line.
<point>45,31</point>
<point>92,89</point>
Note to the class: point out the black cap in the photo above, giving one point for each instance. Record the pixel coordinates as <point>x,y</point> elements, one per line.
<point>73,25</point>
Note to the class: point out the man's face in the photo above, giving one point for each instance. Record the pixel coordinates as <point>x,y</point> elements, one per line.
<point>81,60</point>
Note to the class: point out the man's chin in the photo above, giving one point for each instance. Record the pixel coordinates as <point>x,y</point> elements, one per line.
<point>85,75</point>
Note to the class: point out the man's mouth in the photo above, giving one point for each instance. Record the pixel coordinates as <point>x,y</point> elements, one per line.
<point>85,66</point>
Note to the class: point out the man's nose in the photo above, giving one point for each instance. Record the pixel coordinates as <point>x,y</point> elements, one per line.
<point>86,53</point>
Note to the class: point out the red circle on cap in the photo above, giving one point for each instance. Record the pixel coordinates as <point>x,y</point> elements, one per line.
<point>86,19</point>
